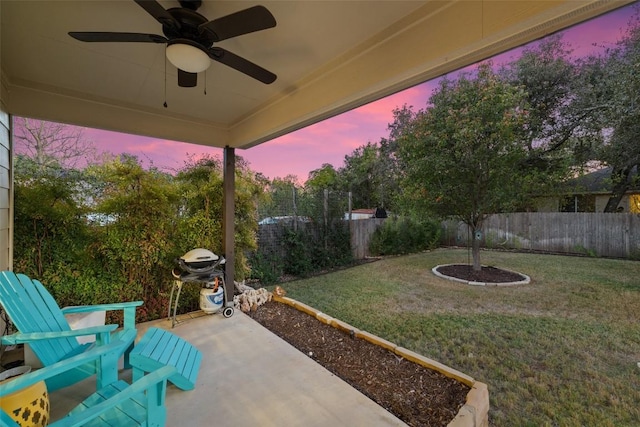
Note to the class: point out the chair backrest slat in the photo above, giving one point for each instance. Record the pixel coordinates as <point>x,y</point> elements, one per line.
<point>32,309</point>
<point>50,307</point>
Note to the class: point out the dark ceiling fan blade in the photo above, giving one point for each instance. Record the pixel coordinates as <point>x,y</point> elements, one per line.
<point>161,15</point>
<point>186,79</point>
<point>246,21</point>
<point>244,66</point>
<point>95,36</point>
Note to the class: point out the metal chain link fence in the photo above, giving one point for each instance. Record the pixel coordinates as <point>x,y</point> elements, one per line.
<point>300,233</point>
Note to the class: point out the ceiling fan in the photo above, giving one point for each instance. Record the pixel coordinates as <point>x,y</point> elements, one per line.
<point>189,37</point>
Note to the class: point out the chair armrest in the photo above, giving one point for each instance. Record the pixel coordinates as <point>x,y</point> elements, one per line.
<point>100,307</point>
<point>155,398</point>
<point>6,420</point>
<point>101,332</point>
<point>128,307</point>
<point>57,368</point>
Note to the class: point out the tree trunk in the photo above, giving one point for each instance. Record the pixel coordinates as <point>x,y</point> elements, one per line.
<point>475,251</point>
<point>620,178</point>
<point>475,227</point>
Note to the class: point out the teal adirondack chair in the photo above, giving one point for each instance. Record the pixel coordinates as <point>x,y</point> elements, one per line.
<point>42,325</point>
<point>114,404</point>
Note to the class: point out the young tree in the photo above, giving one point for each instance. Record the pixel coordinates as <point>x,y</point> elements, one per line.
<point>463,155</point>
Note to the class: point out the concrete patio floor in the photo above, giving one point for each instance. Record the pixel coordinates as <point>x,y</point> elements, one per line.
<point>249,377</point>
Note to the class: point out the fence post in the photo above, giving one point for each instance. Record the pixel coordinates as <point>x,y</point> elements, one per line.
<point>325,206</point>
<point>326,218</point>
<point>349,217</point>
<point>295,209</point>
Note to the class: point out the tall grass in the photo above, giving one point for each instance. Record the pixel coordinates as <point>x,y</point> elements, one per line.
<point>561,351</point>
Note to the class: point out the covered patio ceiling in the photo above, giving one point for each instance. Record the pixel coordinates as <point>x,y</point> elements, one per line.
<point>329,57</point>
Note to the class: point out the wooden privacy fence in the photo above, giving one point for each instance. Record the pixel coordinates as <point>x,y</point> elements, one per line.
<point>361,231</point>
<point>598,234</point>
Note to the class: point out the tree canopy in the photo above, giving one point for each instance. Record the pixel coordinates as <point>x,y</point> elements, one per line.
<point>463,156</point>
<point>612,88</point>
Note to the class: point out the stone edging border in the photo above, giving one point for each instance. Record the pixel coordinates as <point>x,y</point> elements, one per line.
<point>524,281</point>
<point>474,413</point>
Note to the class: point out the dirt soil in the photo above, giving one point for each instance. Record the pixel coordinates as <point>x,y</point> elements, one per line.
<point>416,395</point>
<point>485,275</point>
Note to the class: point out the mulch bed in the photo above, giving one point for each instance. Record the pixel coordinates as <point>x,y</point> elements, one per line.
<point>485,275</point>
<point>416,395</point>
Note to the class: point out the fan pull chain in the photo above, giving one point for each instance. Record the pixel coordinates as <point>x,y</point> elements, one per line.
<point>165,78</point>
<point>205,82</point>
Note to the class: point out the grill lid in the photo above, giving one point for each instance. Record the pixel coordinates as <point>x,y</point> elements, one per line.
<point>199,255</point>
<point>200,261</point>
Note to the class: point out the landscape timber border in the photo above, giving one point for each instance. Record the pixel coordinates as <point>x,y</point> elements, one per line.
<point>475,411</point>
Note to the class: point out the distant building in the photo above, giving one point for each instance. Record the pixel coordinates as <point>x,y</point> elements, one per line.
<point>590,193</point>
<point>289,219</point>
<point>366,213</point>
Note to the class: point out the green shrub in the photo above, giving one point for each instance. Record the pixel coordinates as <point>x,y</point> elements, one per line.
<point>403,236</point>
<point>299,258</point>
<point>265,267</point>
<point>337,252</point>
<point>315,248</point>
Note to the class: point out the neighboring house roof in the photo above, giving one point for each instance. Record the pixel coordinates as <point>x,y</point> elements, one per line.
<point>599,182</point>
<point>364,211</point>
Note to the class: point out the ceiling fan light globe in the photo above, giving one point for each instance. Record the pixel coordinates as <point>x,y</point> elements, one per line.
<point>188,58</point>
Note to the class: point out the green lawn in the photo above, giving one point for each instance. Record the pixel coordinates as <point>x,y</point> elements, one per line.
<point>561,351</point>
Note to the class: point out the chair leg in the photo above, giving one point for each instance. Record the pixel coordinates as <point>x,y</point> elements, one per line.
<point>107,370</point>
<point>127,365</point>
<point>136,374</point>
<point>157,411</point>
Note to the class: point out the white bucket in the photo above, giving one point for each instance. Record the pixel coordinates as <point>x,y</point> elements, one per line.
<point>211,300</point>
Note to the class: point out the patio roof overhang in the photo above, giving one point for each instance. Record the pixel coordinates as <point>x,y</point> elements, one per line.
<point>330,56</point>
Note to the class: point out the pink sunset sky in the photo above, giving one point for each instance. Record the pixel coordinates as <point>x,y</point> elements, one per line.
<point>329,141</point>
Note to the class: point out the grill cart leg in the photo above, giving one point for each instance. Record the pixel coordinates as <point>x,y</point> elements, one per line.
<point>177,285</point>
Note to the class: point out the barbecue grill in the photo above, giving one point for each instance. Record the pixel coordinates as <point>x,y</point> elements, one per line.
<point>203,267</point>
<point>201,262</point>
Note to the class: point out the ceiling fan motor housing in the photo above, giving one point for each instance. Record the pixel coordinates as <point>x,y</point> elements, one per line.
<point>190,21</point>
<point>190,4</point>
